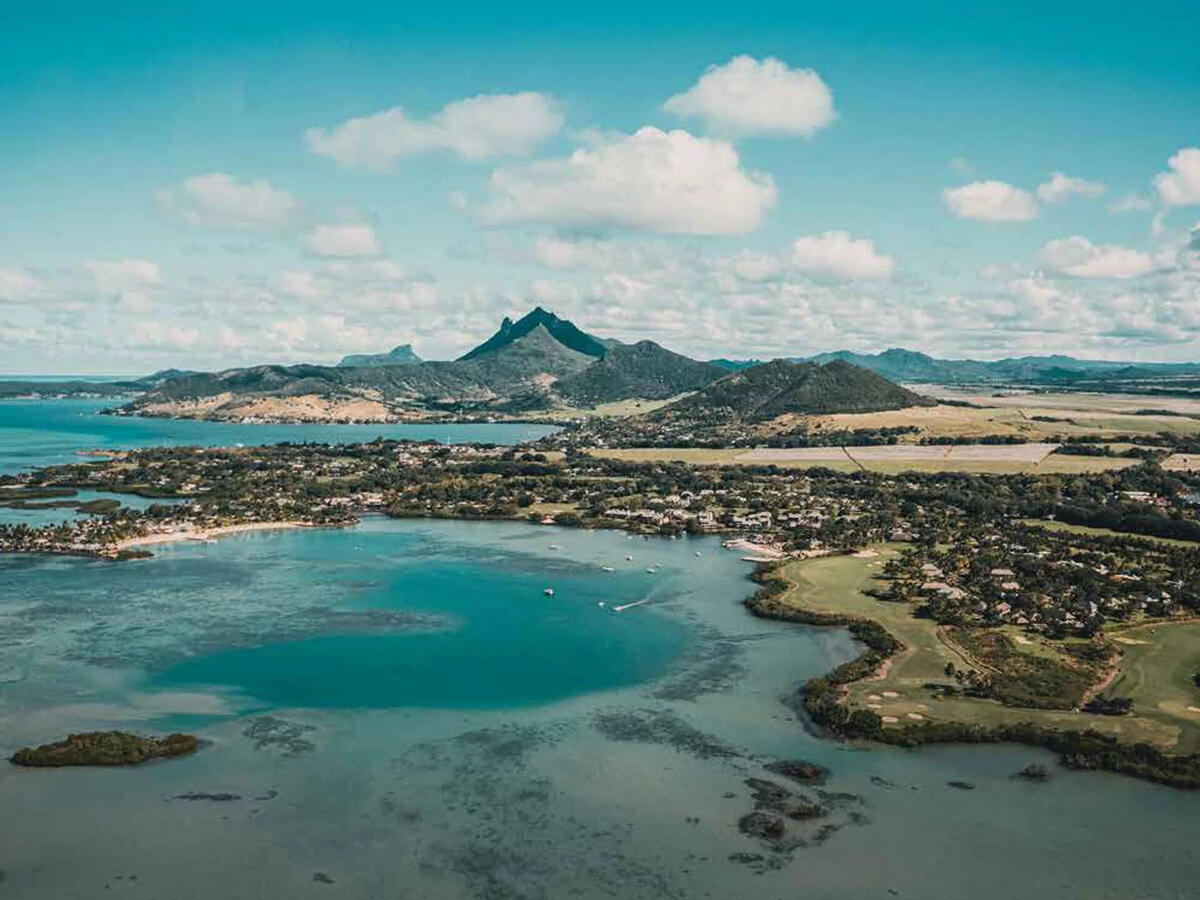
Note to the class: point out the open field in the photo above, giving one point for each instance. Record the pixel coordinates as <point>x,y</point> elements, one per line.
<point>1103,532</point>
<point>1156,673</point>
<point>998,459</point>
<point>1025,414</point>
<point>835,584</point>
<point>905,452</point>
<point>1080,401</point>
<point>1182,462</point>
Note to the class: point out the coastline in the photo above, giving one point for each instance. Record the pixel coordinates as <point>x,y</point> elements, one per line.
<point>821,700</point>
<point>204,534</point>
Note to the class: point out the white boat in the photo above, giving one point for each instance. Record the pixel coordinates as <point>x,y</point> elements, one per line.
<point>608,568</point>
<point>697,552</point>
<point>599,602</point>
<point>652,571</point>
<point>549,592</point>
<point>629,559</point>
<point>554,547</point>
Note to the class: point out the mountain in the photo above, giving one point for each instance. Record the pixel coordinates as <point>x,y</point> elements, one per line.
<point>644,370</point>
<point>909,365</point>
<point>762,393</point>
<point>561,330</point>
<point>525,364</point>
<point>399,356</point>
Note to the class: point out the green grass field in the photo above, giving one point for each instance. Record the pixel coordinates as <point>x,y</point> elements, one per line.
<point>836,583</point>
<point>1156,673</point>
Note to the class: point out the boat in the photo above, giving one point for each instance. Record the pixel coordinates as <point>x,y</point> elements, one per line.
<point>652,570</point>
<point>554,547</point>
<point>607,568</point>
<point>698,553</point>
<point>629,559</point>
<point>549,592</point>
<point>599,602</point>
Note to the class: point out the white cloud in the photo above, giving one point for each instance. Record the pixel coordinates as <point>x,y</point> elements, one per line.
<point>755,267</point>
<point>475,128</point>
<point>748,97</point>
<point>1180,186</point>
<point>1130,203</point>
<point>669,182</point>
<point>1059,187</point>
<point>218,200</point>
<point>131,282</point>
<point>17,285</point>
<point>1080,258</point>
<point>114,276</point>
<point>349,241</point>
<point>299,283</point>
<point>991,201</point>
<point>836,255</point>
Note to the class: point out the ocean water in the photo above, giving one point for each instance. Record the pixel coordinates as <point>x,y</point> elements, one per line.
<point>47,432</point>
<point>398,710</point>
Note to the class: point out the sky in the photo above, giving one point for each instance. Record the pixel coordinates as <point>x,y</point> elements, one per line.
<point>215,185</point>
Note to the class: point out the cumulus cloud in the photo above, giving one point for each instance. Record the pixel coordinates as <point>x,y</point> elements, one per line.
<point>17,285</point>
<point>112,276</point>
<point>218,200</point>
<point>131,282</point>
<point>1181,185</point>
<point>476,128</point>
<point>836,255</point>
<point>652,180</point>
<point>1059,187</point>
<point>747,96</point>
<point>1080,258</point>
<point>348,241</point>
<point>991,201</point>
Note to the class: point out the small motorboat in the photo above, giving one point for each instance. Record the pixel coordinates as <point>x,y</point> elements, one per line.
<point>698,553</point>
<point>555,547</point>
<point>608,568</point>
<point>549,592</point>
<point>629,559</point>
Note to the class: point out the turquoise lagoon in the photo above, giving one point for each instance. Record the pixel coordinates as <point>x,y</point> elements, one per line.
<point>399,710</point>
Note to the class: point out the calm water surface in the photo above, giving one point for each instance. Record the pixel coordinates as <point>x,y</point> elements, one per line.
<point>398,710</point>
<point>46,432</point>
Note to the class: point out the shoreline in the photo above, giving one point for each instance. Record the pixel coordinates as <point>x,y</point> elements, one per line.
<point>204,534</point>
<point>821,700</point>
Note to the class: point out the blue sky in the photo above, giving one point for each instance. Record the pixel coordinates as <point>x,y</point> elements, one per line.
<point>187,185</point>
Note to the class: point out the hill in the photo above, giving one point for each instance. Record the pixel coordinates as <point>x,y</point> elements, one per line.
<point>909,365</point>
<point>398,356</point>
<point>643,370</point>
<point>528,363</point>
<point>764,392</point>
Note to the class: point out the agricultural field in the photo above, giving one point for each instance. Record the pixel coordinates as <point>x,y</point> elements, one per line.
<point>999,459</point>
<point>1182,462</point>
<point>1034,416</point>
<point>836,584</point>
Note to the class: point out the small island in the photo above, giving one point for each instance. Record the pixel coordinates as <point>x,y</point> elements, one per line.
<point>105,748</point>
